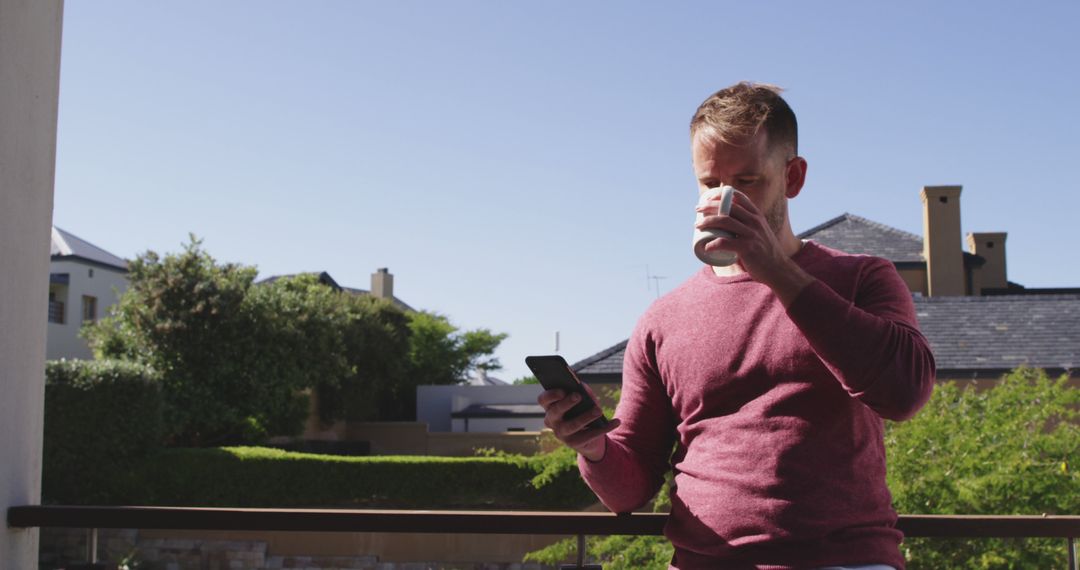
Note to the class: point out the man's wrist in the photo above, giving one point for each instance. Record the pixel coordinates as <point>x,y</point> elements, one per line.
<point>595,453</point>
<point>787,284</point>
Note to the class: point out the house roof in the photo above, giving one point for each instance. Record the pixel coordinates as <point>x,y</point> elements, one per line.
<point>970,336</point>
<point>858,235</point>
<point>855,234</point>
<point>327,280</point>
<point>68,246</point>
<point>607,361</point>
<point>999,333</point>
<point>482,378</point>
<point>322,276</point>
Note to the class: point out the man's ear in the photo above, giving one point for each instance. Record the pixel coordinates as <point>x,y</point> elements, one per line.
<point>795,176</point>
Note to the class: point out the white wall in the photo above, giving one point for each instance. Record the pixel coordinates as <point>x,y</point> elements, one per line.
<point>496,425</point>
<point>29,93</point>
<point>105,284</point>
<point>434,404</point>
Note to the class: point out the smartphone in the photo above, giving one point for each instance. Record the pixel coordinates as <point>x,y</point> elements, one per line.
<point>555,374</point>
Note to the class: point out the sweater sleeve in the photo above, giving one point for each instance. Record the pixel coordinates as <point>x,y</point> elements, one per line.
<point>639,450</point>
<point>872,345</point>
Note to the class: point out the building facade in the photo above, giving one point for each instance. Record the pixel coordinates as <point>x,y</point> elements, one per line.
<point>84,281</point>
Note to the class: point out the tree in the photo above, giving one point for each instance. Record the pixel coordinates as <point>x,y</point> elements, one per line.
<point>376,343</point>
<point>1006,450</point>
<point>234,358</point>
<point>192,320</point>
<point>439,353</point>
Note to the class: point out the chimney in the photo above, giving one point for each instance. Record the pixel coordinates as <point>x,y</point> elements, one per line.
<point>941,240</point>
<point>382,284</point>
<point>991,247</point>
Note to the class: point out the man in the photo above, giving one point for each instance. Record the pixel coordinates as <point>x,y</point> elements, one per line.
<point>769,378</point>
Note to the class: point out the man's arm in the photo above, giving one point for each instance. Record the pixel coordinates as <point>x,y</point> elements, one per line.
<point>872,345</point>
<point>632,468</point>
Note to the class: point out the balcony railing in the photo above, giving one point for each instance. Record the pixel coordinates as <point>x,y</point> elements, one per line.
<point>487,522</point>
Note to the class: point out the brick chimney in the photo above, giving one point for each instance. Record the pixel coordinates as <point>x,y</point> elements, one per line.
<point>941,240</point>
<point>382,284</point>
<point>991,247</point>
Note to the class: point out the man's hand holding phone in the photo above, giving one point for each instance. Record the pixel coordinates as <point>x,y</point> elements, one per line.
<point>575,433</point>
<point>570,408</point>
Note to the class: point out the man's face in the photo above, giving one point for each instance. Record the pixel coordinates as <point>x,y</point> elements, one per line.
<point>753,168</point>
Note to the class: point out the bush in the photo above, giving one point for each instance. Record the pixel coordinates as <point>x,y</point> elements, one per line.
<point>99,417</point>
<point>263,477</point>
<point>1008,450</point>
<point>237,359</point>
<point>232,363</point>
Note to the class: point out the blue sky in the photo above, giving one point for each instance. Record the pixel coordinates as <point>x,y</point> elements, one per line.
<point>522,166</point>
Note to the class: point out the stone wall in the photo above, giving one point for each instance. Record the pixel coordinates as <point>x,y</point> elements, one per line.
<point>61,548</point>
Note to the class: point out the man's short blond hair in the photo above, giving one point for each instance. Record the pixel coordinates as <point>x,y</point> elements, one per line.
<point>735,114</point>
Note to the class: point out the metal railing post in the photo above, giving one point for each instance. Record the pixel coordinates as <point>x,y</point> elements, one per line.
<point>91,545</point>
<point>580,564</point>
<point>1072,554</point>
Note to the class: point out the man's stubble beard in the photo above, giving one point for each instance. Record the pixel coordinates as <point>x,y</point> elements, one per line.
<point>776,215</point>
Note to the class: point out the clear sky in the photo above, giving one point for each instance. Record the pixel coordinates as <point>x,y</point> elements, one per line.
<point>524,166</point>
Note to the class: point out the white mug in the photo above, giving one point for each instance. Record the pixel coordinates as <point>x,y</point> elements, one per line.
<point>718,258</point>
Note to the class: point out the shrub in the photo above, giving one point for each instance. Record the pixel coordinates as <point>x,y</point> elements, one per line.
<point>231,363</point>
<point>99,417</point>
<point>264,477</point>
<point>1007,450</point>
<point>237,359</point>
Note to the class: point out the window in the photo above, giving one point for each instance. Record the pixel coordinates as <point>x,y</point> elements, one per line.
<point>89,309</point>
<point>56,309</point>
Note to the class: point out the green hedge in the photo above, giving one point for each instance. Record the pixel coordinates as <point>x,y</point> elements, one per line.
<point>264,477</point>
<point>103,434</point>
<point>99,417</point>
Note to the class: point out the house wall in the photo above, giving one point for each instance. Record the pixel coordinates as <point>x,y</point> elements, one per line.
<point>915,280</point>
<point>495,425</point>
<point>413,438</point>
<point>258,550</point>
<point>29,93</point>
<point>434,404</point>
<point>400,548</point>
<point>105,284</point>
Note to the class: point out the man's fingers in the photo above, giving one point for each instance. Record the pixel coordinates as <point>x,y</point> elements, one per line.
<point>581,422</point>
<point>745,201</point>
<point>565,428</point>
<point>583,437</point>
<point>727,224</point>
<point>548,397</point>
<point>554,412</point>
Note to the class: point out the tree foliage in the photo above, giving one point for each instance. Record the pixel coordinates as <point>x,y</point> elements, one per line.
<point>237,359</point>
<point>1007,450</point>
<point>194,321</point>
<point>440,354</point>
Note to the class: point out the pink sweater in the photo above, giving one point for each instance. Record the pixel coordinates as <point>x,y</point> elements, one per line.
<point>775,415</point>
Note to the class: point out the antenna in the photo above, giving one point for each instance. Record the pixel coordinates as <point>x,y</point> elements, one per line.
<point>556,341</point>
<point>655,280</point>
